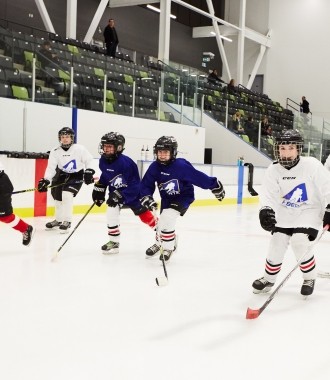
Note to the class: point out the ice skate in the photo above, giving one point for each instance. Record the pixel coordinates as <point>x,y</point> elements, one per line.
<point>110,247</point>
<point>64,227</point>
<point>307,288</point>
<point>168,252</point>
<point>52,224</point>
<point>261,285</point>
<point>153,250</point>
<point>27,235</point>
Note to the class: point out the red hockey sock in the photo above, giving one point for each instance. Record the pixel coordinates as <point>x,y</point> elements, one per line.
<point>15,222</point>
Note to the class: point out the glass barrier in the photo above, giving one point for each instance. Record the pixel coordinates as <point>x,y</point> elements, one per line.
<point>75,74</point>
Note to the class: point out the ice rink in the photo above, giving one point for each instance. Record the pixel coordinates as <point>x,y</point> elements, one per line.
<point>93,317</point>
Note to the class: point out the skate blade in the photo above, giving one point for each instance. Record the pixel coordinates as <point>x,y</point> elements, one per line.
<point>161,281</point>
<point>112,252</point>
<point>64,231</point>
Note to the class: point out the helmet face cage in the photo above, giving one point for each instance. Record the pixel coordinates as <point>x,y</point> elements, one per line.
<point>166,143</point>
<point>288,137</point>
<point>115,139</point>
<point>66,132</point>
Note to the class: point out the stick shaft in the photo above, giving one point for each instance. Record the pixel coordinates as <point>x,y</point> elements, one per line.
<point>87,212</point>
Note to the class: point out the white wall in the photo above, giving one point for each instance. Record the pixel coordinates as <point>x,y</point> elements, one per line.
<point>297,62</point>
<point>33,127</point>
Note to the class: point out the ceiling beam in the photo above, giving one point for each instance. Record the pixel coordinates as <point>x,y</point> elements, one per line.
<point>129,3</point>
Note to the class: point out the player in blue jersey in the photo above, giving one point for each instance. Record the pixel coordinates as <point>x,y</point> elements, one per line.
<point>175,179</point>
<point>293,196</point>
<point>120,175</point>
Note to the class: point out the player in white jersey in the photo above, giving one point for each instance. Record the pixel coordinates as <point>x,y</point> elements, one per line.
<point>294,195</point>
<point>66,166</point>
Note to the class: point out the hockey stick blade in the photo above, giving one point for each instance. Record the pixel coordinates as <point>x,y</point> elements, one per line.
<point>322,274</point>
<point>252,314</point>
<point>161,281</point>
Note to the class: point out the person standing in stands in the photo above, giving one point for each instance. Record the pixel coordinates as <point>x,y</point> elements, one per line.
<point>111,38</point>
<point>304,108</point>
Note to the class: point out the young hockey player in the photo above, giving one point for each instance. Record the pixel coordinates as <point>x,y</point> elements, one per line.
<point>175,178</point>
<point>294,193</point>
<point>6,209</point>
<point>66,166</point>
<point>120,175</point>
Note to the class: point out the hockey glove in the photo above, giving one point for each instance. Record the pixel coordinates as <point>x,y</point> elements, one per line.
<point>267,218</point>
<point>98,194</point>
<point>149,203</point>
<point>43,185</point>
<point>326,217</point>
<point>219,191</point>
<point>88,176</point>
<point>1,172</point>
<point>115,198</point>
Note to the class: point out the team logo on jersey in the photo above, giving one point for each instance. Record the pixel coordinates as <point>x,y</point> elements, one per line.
<point>296,197</point>
<point>171,187</point>
<point>118,182</point>
<point>70,167</point>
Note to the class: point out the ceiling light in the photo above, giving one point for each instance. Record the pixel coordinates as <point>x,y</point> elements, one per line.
<point>158,10</point>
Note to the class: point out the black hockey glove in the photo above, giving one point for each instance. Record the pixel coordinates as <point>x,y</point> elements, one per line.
<point>88,176</point>
<point>219,192</point>
<point>43,185</point>
<point>267,218</point>
<point>326,217</point>
<point>115,198</point>
<point>98,194</point>
<point>149,203</point>
<point>1,172</point>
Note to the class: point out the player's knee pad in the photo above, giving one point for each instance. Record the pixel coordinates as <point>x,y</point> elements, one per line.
<point>67,198</point>
<point>148,218</point>
<point>113,216</point>
<point>278,245</point>
<point>168,219</point>
<point>300,244</point>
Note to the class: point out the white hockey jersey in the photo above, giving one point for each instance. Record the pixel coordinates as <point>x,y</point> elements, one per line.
<point>299,195</point>
<point>72,160</point>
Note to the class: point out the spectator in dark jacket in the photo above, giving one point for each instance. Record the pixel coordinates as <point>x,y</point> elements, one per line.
<point>213,77</point>
<point>111,38</point>
<point>47,56</point>
<point>251,130</point>
<point>304,106</point>
<point>231,88</point>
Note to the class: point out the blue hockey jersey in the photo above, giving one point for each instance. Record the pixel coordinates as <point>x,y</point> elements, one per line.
<point>121,174</point>
<point>175,182</point>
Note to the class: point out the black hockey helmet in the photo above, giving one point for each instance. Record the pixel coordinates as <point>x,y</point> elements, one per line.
<point>166,143</point>
<point>66,132</point>
<point>288,136</point>
<point>115,139</point>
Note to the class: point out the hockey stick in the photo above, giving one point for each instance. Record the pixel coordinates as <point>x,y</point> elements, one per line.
<point>53,186</point>
<point>55,256</point>
<point>323,274</point>
<point>250,179</point>
<point>162,281</point>
<point>254,313</point>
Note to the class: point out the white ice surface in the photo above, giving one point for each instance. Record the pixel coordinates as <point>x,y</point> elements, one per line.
<point>92,317</point>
